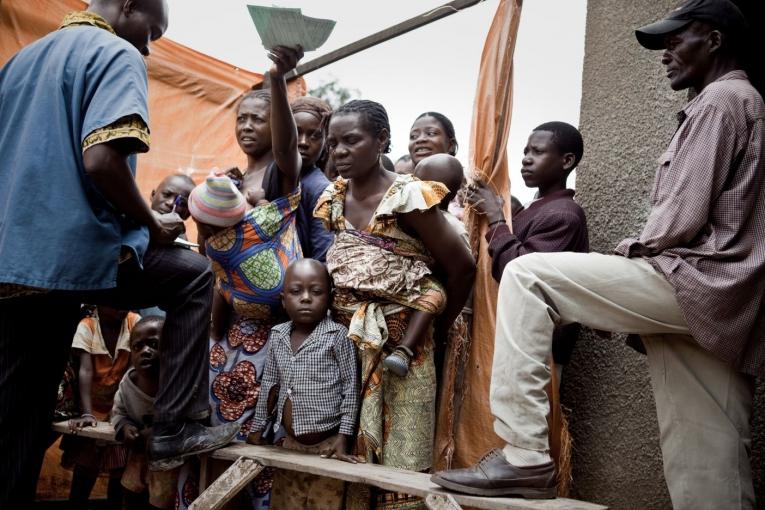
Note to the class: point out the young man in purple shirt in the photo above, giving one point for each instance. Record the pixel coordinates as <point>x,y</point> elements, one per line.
<point>552,222</point>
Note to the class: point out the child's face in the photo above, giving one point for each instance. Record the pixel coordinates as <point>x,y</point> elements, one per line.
<point>310,138</point>
<point>144,346</point>
<point>543,163</point>
<point>172,192</point>
<point>306,292</point>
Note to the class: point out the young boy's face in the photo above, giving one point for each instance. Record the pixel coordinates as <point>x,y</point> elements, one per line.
<point>169,191</point>
<point>144,346</point>
<point>543,163</point>
<point>306,292</point>
<point>310,138</point>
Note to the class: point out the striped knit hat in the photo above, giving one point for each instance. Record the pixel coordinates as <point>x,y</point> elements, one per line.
<point>217,202</point>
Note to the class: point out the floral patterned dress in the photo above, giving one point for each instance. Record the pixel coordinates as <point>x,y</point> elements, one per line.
<point>249,261</point>
<point>381,275</point>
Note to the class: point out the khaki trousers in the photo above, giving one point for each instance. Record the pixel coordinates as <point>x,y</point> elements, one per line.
<point>703,405</point>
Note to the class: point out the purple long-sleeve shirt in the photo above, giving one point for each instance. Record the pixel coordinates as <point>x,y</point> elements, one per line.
<point>551,224</point>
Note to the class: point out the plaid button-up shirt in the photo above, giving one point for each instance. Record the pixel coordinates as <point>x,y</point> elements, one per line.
<point>706,228</point>
<point>320,379</point>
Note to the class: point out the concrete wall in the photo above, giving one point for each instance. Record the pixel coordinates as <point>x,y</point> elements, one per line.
<point>627,118</point>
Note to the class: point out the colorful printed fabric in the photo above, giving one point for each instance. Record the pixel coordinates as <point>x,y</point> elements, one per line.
<point>76,18</point>
<point>250,258</point>
<point>131,126</point>
<point>381,275</point>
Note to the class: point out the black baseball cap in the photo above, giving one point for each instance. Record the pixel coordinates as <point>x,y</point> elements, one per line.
<point>722,14</point>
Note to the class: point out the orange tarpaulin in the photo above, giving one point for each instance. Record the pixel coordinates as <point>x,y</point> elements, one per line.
<point>191,107</point>
<point>488,161</point>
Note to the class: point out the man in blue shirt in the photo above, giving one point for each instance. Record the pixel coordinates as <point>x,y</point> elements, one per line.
<point>75,229</point>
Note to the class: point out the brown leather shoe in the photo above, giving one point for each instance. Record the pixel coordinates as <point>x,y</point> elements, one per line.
<point>495,476</point>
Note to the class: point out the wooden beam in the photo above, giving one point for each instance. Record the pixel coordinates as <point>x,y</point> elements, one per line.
<point>228,485</point>
<point>399,480</point>
<point>103,431</point>
<point>441,502</point>
<point>384,35</point>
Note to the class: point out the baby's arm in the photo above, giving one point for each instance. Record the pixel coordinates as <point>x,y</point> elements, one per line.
<point>345,354</point>
<point>221,313</point>
<point>85,381</point>
<point>124,427</point>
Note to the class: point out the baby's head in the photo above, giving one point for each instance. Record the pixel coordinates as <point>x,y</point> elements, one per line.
<point>144,344</point>
<point>442,168</point>
<point>217,202</point>
<point>306,292</point>
<point>404,165</point>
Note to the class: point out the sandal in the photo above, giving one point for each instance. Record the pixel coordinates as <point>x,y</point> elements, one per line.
<point>398,361</point>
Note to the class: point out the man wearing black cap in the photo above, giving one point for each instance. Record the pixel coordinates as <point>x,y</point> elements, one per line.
<point>692,284</point>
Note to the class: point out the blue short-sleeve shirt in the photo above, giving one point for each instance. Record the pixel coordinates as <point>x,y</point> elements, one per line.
<point>56,230</point>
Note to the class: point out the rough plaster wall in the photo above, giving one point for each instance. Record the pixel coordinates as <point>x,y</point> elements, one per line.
<point>627,119</point>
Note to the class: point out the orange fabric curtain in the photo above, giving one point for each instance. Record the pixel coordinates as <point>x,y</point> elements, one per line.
<point>488,160</point>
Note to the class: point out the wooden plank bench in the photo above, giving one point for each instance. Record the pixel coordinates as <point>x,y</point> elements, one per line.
<point>416,484</point>
<point>103,431</point>
<point>249,460</point>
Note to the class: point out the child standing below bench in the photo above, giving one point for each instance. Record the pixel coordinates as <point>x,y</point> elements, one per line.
<point>132,416</point>
<point>101,345</point>
<point>313,364</point>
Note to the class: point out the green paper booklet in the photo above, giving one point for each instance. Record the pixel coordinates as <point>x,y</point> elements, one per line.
<point>279,26</point>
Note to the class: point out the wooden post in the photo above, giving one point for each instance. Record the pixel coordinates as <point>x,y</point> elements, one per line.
<point>228,485</point>
<point>441,502</point>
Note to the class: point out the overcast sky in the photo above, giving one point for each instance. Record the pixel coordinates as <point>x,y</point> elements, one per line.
<point>433,68</point>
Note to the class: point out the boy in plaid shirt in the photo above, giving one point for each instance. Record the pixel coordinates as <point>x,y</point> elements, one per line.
<point>312,367</point>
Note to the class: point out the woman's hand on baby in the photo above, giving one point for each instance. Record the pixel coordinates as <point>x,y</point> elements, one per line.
<point>166,229</point>
<point>339,450</point>
<point>285,59</point>
<point>77,424</point>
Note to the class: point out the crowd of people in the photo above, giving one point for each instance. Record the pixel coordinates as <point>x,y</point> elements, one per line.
<point>330,281</point>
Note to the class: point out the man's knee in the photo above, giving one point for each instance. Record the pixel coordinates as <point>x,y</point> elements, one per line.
<point>522,267</point>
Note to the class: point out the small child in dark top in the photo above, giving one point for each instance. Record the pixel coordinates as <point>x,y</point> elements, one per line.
<point>132,416</point>
<point>313,364</point>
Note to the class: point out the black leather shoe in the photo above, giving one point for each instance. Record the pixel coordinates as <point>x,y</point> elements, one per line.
<point>168,452</point>
<point>495,476</point>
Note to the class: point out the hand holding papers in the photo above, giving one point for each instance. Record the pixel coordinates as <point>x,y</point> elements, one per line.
<point>288,27</point>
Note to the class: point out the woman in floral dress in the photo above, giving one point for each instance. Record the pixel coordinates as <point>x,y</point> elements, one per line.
<point>389,234</point>
<point>249,260</point>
